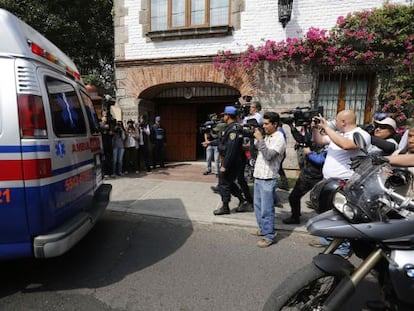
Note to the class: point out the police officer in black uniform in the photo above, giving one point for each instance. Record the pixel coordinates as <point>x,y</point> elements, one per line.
<point>231,150</point>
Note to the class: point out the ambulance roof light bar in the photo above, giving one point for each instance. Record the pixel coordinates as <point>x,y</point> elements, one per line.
<point>39,51</point>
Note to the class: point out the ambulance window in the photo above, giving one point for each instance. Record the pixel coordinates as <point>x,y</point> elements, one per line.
<point>67,115</point>
<point>90,110</point>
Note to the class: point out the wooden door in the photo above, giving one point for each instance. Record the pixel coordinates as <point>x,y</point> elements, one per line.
<point>179,121</point>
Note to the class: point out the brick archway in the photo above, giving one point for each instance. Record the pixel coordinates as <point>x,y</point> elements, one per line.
<point>143,81</point>
<point>133,78</point>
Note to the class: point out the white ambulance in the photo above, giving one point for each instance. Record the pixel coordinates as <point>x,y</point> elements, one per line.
<point>51,189</point>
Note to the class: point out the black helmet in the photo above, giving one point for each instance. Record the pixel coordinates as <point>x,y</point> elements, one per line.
<point>322,194</point>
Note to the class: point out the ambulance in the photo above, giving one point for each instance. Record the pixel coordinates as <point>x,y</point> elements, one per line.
<point>51,186</point>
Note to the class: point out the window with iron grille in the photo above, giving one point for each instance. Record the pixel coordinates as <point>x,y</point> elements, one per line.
<point>351,91</point>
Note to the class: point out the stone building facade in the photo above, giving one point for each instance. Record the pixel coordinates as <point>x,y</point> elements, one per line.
<point>167,70</point>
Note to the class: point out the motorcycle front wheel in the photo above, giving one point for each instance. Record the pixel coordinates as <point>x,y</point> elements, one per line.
<point>306,289</point>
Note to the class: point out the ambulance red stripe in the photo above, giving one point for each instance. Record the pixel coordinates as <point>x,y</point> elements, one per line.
<point>31,169</point>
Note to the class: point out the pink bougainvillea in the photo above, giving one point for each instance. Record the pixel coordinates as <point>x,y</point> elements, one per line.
<point>380,38</point>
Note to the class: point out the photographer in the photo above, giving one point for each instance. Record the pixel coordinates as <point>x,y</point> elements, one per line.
<point>254,113</point>
<point>211,149</point>
<point>144,137</point>
<point>118,140</point>
<point>310,174</point>
<point>271,148</point>
<point>301,117</point>
<point>131,144</point>
<point>340,149</point>
<point>302,139</point>
<point>250,122</point>
<point>107,135</point>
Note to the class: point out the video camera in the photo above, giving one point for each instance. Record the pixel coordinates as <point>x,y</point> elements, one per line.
<point>300,116</point>
<point>242,109</point>
<point>210,124</point>
<point>250,127</point>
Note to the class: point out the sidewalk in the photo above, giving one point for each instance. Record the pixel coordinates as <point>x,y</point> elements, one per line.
<point>181,191</point>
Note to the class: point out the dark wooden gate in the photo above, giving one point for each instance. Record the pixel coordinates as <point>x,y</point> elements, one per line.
<point>179,121</point>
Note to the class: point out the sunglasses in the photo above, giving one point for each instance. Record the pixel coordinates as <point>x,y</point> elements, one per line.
<point>382,127</point>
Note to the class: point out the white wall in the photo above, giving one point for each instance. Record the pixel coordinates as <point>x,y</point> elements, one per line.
<point>259,22</point>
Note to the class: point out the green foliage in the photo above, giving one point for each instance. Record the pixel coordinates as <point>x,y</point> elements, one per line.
<point>93,79</point>
<point>82,29</point>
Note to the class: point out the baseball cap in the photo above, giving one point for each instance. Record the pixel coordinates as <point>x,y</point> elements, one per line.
<point>387,121</point>
<point>230,110</point>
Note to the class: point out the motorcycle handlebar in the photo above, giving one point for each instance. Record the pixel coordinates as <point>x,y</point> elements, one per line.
<point>406,202</point>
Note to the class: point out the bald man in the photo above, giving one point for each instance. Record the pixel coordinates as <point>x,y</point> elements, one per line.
<point>341,143</point>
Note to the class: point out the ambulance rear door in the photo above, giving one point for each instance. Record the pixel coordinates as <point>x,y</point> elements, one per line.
<point>15,240</point>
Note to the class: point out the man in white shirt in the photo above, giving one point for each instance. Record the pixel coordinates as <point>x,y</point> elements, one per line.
<point>341,146</point>
<point>271,148</point>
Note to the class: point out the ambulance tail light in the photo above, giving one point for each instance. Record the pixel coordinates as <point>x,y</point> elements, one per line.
<point>31,116</point>
<point>37,168</point>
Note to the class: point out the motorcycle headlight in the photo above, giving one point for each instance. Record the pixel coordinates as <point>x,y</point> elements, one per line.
<point>339,201</point>
<point>340,204</point>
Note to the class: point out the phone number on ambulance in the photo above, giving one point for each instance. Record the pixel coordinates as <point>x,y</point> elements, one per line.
<point>75,181</point>
<point>5,196</point>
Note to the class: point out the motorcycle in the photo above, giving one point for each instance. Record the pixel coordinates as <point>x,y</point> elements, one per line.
<point>370,211</point>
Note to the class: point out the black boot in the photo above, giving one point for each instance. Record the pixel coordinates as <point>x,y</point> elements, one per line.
<point>222,210</point>
<point>215,189</point>
<point>283,183</point>
<point>243,207</point>
<point>291,220</point>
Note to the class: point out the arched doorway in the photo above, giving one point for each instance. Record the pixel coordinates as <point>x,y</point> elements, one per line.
<point>183,107</point>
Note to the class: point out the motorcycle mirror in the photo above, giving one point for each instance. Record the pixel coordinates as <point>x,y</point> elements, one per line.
<point>360,142</point>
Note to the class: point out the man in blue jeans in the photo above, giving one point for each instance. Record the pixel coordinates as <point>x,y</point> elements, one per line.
<point>211,150</point>
<point>271,148</point>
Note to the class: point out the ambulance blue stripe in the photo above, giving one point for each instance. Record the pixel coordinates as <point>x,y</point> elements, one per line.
<point>71,167</point>
<point>17,149</point>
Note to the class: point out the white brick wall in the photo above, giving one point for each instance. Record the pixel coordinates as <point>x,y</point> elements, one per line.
<point>259,22</point>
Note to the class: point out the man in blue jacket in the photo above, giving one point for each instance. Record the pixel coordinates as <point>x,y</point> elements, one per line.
<point>308,177</point>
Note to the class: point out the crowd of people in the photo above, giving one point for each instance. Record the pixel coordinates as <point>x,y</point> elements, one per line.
<point>326,154</point>
<point>324,149</point>
<point>134,147</point>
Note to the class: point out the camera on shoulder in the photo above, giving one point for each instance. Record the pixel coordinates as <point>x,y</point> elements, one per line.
<point>210,124</point>
<point>250,126</point>
<point>301,116</point>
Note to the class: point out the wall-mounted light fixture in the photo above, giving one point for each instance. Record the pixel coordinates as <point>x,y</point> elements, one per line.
<point>285,11</point>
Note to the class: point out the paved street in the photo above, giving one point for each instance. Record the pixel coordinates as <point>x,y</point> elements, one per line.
<point>134,262</point>
<point>159,247</point>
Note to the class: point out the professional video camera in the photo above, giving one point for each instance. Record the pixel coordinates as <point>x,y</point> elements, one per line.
<point>300,116</point>
<point>242,109</point>
<point>210,124</point>
<point>250,126</point>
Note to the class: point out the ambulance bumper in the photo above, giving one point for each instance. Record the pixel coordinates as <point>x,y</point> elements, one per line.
<point>68,234</point>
